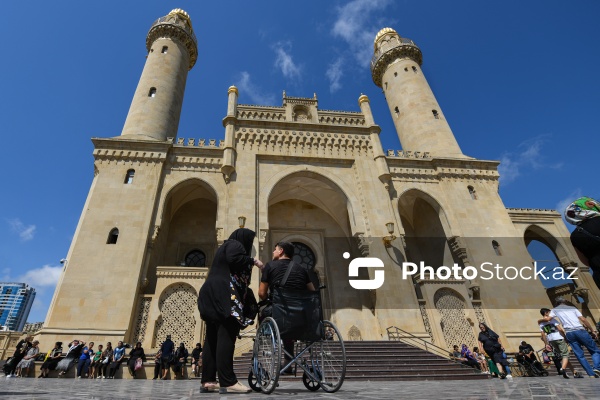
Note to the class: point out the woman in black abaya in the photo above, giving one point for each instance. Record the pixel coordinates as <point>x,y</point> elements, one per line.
<point>220,303</point>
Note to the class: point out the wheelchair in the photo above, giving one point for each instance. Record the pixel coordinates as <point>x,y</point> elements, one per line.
<point>532,367</point>
<point>320,356</point>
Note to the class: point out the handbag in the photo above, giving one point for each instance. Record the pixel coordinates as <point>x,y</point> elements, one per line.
<point>138,364</point>
<point>250,305</point>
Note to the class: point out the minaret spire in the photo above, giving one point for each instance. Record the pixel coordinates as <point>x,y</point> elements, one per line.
<point>418,118</point>
<point>156,105</point>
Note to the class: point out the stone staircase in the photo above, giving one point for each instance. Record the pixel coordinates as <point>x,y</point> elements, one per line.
<point>384,360</point>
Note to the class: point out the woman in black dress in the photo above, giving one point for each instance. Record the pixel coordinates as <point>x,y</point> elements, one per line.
<point>136,353</point>
<point>220,303</point>
<point>490,341</point>
<point>51,361</point>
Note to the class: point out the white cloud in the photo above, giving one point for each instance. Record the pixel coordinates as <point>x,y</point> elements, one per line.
<point>334,74</point>
<point>26,233</point>
<point>46,276</point>
<point>247,88</point>
<point>530,157</point>
<point>284,60</point>
<point>354,26</point>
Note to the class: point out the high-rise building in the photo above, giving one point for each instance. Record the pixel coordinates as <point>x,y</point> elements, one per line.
<point>160,206</point>
<point>15,303</point>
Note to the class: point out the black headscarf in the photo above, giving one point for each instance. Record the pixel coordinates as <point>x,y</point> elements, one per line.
<point>490,333</point>
<point>245,237</point>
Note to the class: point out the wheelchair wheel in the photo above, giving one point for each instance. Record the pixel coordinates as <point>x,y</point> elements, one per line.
<point>253,381</point>
<point>329,358</point>
<point>266,357</point>
<point>309,383</point>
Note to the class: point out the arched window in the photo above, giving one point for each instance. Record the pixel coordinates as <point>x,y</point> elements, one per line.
<point>414,69</point>
<point>497,248</point>
<point>472,192</point>
<point>304,255</point>
<point>152,92</point>
<point>195,258</point>
<point>113,236</point>
<point>164,49</point>
<point>435,114</point>
<point>129,176</point>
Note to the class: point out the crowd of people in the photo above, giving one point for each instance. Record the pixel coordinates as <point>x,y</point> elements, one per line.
<point>561,327</point>
<point>98,362</point>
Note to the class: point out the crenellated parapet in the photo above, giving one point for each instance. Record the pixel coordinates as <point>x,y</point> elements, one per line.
<point>191,142</point>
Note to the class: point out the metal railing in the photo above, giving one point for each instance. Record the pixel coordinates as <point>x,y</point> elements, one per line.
<point>395,333</point>
<point>245,342</point>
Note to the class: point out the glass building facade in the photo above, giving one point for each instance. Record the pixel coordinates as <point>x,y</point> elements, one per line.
<point>15,303</point>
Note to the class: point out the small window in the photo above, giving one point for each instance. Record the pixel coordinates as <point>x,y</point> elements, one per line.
<point>152,92</point>
<point>472,192</point>
<point>497,248</point>
<point>113,236</point>
<point>195,258</point>
<point>435,114</point>
<point>164,49</point>
<point>386,85</point>
<point>129,176</point>
<point>414,69</point>
<point>395,74</point>
<point>406,69</point>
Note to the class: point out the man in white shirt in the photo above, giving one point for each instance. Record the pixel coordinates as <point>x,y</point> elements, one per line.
<point>554,334</point>
<point>578,337</point>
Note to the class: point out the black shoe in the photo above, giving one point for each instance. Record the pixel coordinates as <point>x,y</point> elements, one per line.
<point>565,374</point>
<point>502,376</point>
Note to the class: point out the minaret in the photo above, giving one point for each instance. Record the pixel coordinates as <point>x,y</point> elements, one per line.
<point>172,52</point>
<point>419,120</point>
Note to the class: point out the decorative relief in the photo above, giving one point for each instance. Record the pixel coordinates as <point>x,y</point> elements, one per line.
<point>354,333</point>
<point>459,248</point>
<point>363,202</point>
<point>454,324</point>
<point>362,243</point>
<point>479,313</point>
<point>409,154</point>
<point>181,272</point>
<point>142,320</point>
<point>128,156</point>
<point>303,143</point>
<point>426,323</point>
<point>177,304</point>
<point>200,164</point>
<point>155,234</point>
<point>261,115</point>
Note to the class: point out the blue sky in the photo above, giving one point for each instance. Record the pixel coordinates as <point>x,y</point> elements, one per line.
<point>518,82</point>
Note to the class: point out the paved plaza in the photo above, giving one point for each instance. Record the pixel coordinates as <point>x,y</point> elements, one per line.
<point>553,387</point>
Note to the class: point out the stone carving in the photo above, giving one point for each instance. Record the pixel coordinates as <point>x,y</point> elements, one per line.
<point>142,320</point>
<point>155,234</point>
<point>459,248</point>
<point>177,305</point>
<point>220,234</point>
<point>479,312</point>
<point>454,324</point>
<point>354,333</point>
<point>304,143</point>
<point>362,243</point>
<point>426,320</point>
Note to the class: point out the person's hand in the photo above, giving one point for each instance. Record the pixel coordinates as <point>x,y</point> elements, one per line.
<point>258,263</point>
